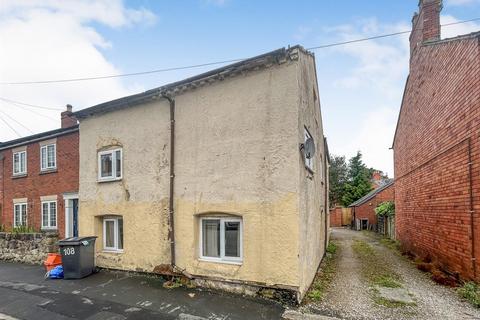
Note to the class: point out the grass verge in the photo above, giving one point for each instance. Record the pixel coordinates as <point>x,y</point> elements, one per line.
<point>325,274</point>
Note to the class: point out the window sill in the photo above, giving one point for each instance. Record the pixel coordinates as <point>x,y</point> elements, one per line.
<point>112,251</point>
<point>47,171</point>
<point>108,180</point>
<point>48,229</point>
<point>237,263</point>
<point>19,175</point>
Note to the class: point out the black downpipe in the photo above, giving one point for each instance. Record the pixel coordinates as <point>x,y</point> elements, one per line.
<point>171,229</point>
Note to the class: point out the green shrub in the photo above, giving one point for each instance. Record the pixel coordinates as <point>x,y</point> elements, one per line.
<point>471,292</point>
<point>332,247</point>
<point>23,229</point>
<point>385,209</point>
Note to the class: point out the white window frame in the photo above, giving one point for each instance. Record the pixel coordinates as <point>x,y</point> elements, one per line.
<point>222,258</point>
<point>49,213</point>
<point>20,163</point>
<point>308,162</point>
<point>116,234</point>
<point>22,223</point>
<point>47,167</point>
<point>113,176</point>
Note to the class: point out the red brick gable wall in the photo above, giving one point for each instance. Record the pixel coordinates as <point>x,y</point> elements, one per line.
<point>367,210</point>
<point>35,185</point>
<point>436,140</point>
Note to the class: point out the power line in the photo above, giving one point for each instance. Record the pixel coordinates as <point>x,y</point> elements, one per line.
<point>335,44</point>
<point>31,105</point>
<point>13,129</point>
<point>17,122</point>
<point>32,111</point>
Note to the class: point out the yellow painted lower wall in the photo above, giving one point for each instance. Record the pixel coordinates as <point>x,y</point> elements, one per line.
<point>270,238</point>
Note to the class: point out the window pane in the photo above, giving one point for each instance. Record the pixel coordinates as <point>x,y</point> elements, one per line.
<point>16,163</point>
<point>232,239</point>
<point>23,162</point>
<point>211,238</point>
<point>118,165</point>
<point>51,156</point>
<point>24,214</point>
<point>44,157</point>
<point>120,233</point>
<point>109,234</point>
<point>44,214</point>
<point>106,165</point>
<point>53,214</point>
<point>17,215</point>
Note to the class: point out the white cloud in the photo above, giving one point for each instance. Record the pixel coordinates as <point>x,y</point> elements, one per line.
<point>450,31</point>
<point>379,64</point>
<point>54,40</point>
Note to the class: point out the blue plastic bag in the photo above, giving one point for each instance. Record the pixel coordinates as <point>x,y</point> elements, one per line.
<point>55,273</point>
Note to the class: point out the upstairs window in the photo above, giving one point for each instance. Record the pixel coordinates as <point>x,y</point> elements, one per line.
<point>20,163</point>
<point>110,165</point>
<point>221,239</point>
<point>49,214</point>
<point>19,214</point>
<point>48,157</point>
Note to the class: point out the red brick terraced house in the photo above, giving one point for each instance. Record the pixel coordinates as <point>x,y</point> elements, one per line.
<point>363,209</point>
<point>437,148</point>
<point>39,180</point>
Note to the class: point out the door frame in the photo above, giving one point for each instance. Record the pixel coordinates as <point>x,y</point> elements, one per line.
<point>68,197</point>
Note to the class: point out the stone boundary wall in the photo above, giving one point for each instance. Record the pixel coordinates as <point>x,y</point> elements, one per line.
<point>31,248</point>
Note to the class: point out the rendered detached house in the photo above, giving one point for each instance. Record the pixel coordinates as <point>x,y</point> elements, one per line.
<point>39,180</point>
<point>221,177</point>
<point>437,148</point>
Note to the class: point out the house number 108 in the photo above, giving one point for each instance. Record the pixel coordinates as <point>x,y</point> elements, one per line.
<point>69,251</point>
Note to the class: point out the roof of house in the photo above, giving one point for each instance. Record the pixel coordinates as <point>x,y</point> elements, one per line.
<point>371,194</point>
<point>37,137</point>
<point>262,61</point>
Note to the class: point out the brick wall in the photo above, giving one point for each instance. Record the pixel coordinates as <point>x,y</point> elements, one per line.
<point>36,184</point>
<point>437,137</point>
<point>367,210</point>
<point>336,217</point>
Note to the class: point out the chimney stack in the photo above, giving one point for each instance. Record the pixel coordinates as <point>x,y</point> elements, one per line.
<point>68,119</point>
<point>425,23</point>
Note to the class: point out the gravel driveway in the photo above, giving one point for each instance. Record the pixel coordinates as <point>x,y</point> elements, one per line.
<point>350,294</point>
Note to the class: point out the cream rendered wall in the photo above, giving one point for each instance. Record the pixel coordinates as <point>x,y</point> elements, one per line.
<point>237,152</point>
<point>141,197</point>
<point>313,213</point>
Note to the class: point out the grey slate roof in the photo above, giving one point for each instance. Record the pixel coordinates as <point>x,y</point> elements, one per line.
<point>37,137</point>
<point>371,194</point>
<point>262,61</point>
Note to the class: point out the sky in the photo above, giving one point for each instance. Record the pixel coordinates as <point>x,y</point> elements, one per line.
<point>360,84</point>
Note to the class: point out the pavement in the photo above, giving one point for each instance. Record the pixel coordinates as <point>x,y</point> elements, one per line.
<point>25,294</point>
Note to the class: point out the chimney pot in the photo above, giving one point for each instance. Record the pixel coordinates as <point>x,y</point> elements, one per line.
<point>67,117</point>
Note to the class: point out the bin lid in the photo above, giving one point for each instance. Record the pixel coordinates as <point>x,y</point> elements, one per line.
<point>75,241</point>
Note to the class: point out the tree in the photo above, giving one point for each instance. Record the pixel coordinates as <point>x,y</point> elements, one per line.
<point>358,183</point>
<point>338,175</point>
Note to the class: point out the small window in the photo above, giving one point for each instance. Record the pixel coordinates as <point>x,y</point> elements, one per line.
<point>113,234</point>
<point>20,214</point>
<point>48,157</point>
<point>20,162</point>
<point>221,239</point>
<point>49,214</point>
<point>306,157</point>
<point>110,165</point>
